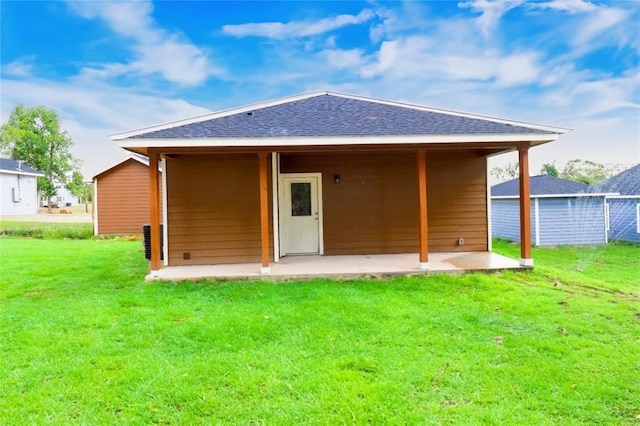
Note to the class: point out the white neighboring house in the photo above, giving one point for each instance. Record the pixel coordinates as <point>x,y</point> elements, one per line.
<point>18,188</point>
<point>63,198</point>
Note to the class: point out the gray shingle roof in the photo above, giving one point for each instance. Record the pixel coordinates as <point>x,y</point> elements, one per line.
<point>327,114</point>
<point>540,185</point>
<point>626,182</point>
<point>17,166</point>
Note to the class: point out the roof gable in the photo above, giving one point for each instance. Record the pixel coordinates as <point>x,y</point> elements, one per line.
<point>540,185</point>
<point>8,165</point>
<point>132,158</point>
<point>326,114</point>
<point>626,182</point>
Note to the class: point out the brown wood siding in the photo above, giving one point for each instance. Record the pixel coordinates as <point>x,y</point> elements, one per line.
<point>374,208</point>
<point>214,209</point>
<point>457,196</point>
<point>123,198</point>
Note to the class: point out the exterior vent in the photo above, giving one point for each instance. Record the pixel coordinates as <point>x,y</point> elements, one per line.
<point>146,241</point>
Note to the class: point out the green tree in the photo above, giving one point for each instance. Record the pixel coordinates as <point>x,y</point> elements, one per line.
<point>510,171</point>
<point>549,169</point>
<point>80,189</point>
<point>588,172</point>
<point>33,134</point>
<point>76,185</point>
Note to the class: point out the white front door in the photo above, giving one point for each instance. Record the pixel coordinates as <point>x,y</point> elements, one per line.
<point>300,213</point>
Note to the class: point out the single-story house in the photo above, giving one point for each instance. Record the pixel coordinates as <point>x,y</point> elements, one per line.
<point>623,210</point>
<point>63,198</point>
<point>563,212</point>
<point>121,197</point>
<point>18,188</point>
<point>327,174</point>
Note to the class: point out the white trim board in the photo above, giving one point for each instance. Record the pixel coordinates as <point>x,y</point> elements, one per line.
<point>624,197</point>
<point>536,215</point>
<point>275,193</point>
<point>165,214</point>
<point>516,197</point>
<point>20,173</point>
<point>489,212</point>
<point>95,207</point>
<point>283,141</point>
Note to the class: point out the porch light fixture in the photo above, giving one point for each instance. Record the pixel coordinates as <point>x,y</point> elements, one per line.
<point>336,178</point>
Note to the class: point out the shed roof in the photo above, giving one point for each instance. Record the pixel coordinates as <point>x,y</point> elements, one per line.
<point>337,117</point>
<point>132,157</point>
<point>626,182</point>
<point>540,185</point>
<point>8,165</point>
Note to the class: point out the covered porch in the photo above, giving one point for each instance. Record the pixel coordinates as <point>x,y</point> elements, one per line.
<point>355,266</point>
<point>280,265</point>
<point>328,184</point>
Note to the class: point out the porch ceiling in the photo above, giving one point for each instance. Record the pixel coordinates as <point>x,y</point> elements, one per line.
<point>307,267</point>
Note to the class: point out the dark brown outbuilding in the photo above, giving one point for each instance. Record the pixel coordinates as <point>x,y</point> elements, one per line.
<point>121,197</point>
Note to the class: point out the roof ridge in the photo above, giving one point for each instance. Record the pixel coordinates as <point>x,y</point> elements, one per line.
<point>454,113</point>
<point>308,95</point>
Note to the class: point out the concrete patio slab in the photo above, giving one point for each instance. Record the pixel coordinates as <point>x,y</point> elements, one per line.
<point>305,267</point>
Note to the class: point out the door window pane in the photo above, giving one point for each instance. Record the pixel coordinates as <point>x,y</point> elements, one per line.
<point>300,199</point>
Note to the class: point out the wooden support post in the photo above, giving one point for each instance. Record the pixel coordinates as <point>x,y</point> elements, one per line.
<point>422,202</point>
<point>525,207</point>
<point>264,213</point>
<point>154,203</point>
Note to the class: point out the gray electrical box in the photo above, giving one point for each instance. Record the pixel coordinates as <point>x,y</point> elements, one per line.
<point>15,192</point>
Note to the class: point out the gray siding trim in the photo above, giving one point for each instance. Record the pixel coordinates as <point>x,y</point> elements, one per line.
<point>623,218</point>
<point>572,221</point>
<point>554,221</point>
<point>505,220</point>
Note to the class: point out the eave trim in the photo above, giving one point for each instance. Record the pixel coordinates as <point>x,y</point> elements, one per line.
<point>535,139</point>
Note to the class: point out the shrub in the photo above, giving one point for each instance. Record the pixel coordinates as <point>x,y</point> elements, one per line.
<point>47,231</point>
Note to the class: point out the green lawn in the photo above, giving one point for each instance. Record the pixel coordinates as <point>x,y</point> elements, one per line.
<point>84,340</point>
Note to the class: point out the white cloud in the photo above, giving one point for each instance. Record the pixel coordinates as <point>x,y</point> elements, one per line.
<point>90,112</point>
<point>430,59</point>
<point>344,58</point>
<point>491,12</point>
<point>156,51</point>
<point>600,21</point>
<point>22,67</point>
<point>293,29</point>
<point>419,58</point>
<point>570,6</point>
<point>594,98</point>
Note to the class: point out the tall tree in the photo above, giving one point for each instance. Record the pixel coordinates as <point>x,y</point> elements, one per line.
<point>75,185</point>
<point>549,169</point>
<point>507,172</point>
<point>588,172</point>
<point>79,188</point>
<point>34,135</point>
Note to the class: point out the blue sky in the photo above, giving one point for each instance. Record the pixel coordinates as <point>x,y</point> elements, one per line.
<point>107,67</point>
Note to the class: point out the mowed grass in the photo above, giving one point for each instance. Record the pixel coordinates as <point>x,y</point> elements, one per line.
<point>84,340</point>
